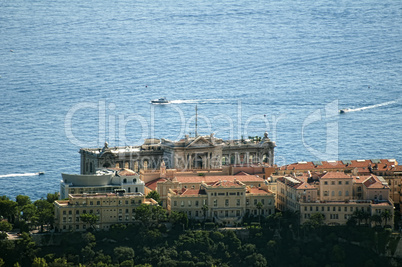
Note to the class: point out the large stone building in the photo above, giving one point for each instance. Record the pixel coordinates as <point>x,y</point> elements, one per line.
<point>222,201</point>
<point>336,195</point>
<point>103,181</point>
<point>200,152</point>
<point>111,208</point>
<point>386,168</point>
<point>165,179</point>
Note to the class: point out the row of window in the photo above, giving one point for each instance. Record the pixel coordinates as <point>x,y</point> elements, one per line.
<point>119,202</point>
<point>333,182</point>
<point>333,193</point>
<point>334,208</point>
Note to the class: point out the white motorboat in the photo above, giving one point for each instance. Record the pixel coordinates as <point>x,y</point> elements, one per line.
<point>161,100</point>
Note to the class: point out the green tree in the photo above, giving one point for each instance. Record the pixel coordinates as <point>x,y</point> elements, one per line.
<point>45,214</point>
<point>5,226</point>
<point>259,207</point>
<point>122,254</point>
<point>39,262</point>
<point>376,219</point>
<point>89,239</point>
<point>8,208</point>
<point>159,214</point>
<point>179,218</point>
<point>143,213</point>
<point>154,195</point>
<point>256,259</point>
<point>52,197</point>
<point>204,209</point>
<point>359,215</point>
<point>26,249</point>
<point>22,200</point>
<point>90,219</point>
<point>386,215</point>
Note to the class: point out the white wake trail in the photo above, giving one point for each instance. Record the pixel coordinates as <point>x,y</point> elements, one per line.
<point>372,106</point>
<point>197,101</point>
<point>19,174</point>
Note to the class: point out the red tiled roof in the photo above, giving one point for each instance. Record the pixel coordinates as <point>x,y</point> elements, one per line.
<point>335,175</point>
<point>257,191</point>
<point>209,179</point>
<point>359,179</point>
<point>227,183</point>
<point>242,173</point>
<point>152,184</point>
<point>374,183</point>
<point>127,172</point>
<point>380,164</point>
<point>190,192</point>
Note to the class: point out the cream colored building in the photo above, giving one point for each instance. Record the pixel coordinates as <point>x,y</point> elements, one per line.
<point>227,201</point>
<point>334,194</point>
<point>197,152</point>
<point>111,208</point>
<point>103,181</point>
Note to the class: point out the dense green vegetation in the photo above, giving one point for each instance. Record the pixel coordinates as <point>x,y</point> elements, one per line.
<point>162,240</point>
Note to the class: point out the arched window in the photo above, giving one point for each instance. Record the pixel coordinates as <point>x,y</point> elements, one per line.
<point>232,159</point>
<point>333,193</point>
<point>129,189</point>
<point>136,166</point>
<point>145,164</point>
<point>136,189</point>
<point>134,180</point>
<point>340,193</point>
<point>223,160</point>
<point>91,168</point>
<point>124,180</point>
<point>346,193</point>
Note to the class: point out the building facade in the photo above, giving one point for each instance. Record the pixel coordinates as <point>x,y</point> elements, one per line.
<point>222,201</point>
<point>200,152</point>
<point>336,195</point>
<point>103,181</point>
<point>111,208</point>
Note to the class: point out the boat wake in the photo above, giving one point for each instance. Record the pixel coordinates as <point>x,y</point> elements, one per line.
<point>198,101</point>
<point>20,174</point>
<point>368,107</point>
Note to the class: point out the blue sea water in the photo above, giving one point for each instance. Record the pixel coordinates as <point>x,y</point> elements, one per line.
<point>77,73</point>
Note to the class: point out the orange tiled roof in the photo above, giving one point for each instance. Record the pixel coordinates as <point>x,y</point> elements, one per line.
<point>257,191</point>
<point>152,184</point>
<point>363,165</point>
<point>210,179</point>
<point>190,192</point>
<point>127,172</point>
<point>359,179</point>
<point>227,183</point>
<point>335,175</point>
<point>374,183</point>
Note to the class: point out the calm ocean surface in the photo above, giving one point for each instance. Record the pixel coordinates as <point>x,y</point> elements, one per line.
<point>76,73</point>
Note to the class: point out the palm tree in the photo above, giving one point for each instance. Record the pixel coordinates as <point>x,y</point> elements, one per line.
<point>204,209</point>
<point>376,219</point>
<point>359,215</point>
<point>366,216</point>
<point>386,215</point>
<point>259,207</point>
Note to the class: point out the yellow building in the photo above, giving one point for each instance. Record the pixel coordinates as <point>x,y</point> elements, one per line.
<point>111,208</point>
<point>336,195</point>
<point>222,201</point>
